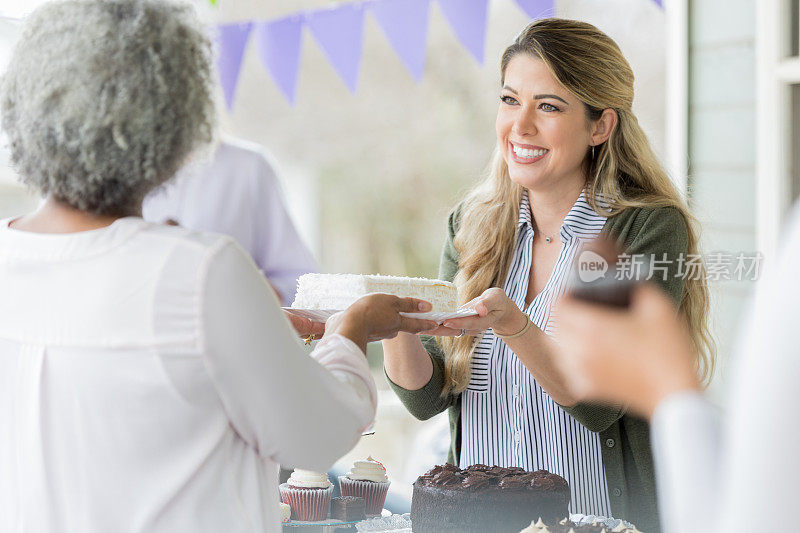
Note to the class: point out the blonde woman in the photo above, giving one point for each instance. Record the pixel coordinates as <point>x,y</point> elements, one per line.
<point>572,163</point>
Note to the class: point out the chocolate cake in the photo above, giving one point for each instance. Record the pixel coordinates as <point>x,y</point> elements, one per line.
<point>484,498</point>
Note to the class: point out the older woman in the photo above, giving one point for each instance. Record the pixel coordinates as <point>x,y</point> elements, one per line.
<point>149,380</point>
<point>572,163</point>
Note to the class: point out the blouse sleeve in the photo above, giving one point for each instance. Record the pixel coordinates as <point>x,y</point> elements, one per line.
<point>686,442</point>
<point>760,463</point>
<point>298,410</point>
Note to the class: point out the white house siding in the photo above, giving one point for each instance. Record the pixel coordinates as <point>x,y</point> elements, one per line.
<point>722,107</point>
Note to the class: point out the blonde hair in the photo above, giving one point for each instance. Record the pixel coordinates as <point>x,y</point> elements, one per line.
<point>625,172</point>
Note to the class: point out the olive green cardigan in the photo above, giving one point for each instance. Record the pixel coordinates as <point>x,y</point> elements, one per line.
<point>625,438</point>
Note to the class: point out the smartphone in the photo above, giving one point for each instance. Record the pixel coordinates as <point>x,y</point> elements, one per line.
<point>596,276</point>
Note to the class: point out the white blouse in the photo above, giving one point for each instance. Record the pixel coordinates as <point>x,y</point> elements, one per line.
<point>739,473</point>
<point>149,381</point>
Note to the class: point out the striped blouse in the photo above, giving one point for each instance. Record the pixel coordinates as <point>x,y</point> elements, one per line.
<point>507,419</point>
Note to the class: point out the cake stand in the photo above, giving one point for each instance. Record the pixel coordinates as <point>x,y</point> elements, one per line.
<point>326,526</point>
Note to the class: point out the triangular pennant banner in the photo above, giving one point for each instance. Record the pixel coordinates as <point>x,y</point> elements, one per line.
<point>340,33</point>
<point>660,3</point>
<point>231,42</point>
<point>405,23</point>
<point>278,44</point>
<point>468,20</point>
<point>536,9</point>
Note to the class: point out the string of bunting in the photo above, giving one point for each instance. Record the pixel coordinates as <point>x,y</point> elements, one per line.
<point>339,31</point>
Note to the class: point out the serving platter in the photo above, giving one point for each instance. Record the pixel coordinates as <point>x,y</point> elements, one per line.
<point>322,315</point>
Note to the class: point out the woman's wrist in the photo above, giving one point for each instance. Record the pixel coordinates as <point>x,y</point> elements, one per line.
<point>351,327</point>
<point>512,324</point>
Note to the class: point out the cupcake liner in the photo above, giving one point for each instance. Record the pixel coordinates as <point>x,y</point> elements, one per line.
<point>373,492</point>
<point>310,504</point>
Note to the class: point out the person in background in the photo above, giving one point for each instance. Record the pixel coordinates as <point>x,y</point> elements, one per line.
<point>149,381</point>
<point>571,164</point>
<point>731,474</point>
<point>237,193</point>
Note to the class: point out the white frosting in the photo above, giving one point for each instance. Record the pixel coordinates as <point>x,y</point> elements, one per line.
<point>537,527</point>
<point>541,527</point>
<point>368,470</point>
<point>309,480</point>
<point>339,291</point>
<point>286,512</point>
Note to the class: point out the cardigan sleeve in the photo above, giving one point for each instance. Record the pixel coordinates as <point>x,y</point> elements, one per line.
<point>428,401</point>
<point>660,235</point>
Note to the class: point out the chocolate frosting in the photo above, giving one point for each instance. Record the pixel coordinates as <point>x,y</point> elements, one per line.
<point>482,477</point>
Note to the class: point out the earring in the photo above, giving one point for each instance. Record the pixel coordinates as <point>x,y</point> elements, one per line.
<point>592,152</point>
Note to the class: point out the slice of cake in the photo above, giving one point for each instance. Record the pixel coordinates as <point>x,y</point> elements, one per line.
<point>339,291</point>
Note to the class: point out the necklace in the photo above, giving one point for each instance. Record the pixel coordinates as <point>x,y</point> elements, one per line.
<point>547,239</point>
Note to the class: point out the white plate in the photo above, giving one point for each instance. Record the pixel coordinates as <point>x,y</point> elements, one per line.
<point>322,315</point>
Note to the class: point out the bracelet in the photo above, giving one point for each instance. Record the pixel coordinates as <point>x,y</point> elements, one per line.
<point>515,335</point>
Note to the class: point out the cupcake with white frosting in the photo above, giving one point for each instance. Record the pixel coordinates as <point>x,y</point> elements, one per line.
<point>308,494</point>
<point>368,480</point>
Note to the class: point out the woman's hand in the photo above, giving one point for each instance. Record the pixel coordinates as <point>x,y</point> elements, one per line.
<point>305,327</point>
<point>634,358</point>
<point>377,316</point>
<point>495,310</point>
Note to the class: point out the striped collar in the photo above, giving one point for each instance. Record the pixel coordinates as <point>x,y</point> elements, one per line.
<point>582,221</point>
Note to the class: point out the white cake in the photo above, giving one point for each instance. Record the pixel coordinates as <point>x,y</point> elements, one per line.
<point>339,291</point>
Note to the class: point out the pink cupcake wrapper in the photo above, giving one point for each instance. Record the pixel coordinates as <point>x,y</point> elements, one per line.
<point>310,505</point>
<point>374,493</point>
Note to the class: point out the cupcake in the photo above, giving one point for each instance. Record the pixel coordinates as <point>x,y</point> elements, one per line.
<point>367,479</point>
<point>309,495</point>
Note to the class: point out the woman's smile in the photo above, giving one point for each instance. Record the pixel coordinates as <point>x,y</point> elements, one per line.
<point>526,154</point>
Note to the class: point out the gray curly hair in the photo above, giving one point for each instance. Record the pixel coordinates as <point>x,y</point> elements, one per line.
<point>104,100</point>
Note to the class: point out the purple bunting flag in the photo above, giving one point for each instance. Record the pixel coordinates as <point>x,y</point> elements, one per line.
<point>231,42</point>
<point>278,44</point>
<point>405,23</point>
<point>340,33</point>
<point>660,3</point>
<point>468,20</point>
<point>537,9</point>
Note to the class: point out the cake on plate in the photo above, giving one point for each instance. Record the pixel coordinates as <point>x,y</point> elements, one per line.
<point>484,498</point>
<point>339,291</point>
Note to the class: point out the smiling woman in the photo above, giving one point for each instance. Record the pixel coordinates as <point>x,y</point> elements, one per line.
<point>571,163</point>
